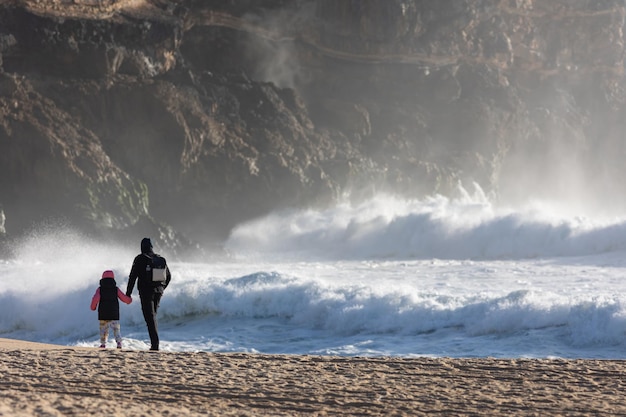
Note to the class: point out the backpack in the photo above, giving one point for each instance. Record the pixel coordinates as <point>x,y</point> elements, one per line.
<point>159,269</point>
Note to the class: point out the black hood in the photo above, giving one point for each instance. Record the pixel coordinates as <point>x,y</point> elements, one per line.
<point>146,246</point>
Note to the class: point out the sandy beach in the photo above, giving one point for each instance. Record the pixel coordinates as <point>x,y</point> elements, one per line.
<point>49,380</point>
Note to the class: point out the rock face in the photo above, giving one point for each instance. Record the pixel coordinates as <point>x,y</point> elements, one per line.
<point>179,119</point>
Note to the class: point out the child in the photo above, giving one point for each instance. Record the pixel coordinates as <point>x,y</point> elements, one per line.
<point>106,299</point>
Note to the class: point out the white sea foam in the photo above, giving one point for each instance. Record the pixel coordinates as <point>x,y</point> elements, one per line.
<point>388,277</point>
<point>438,227</point>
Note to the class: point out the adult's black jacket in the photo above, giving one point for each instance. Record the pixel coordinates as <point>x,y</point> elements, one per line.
<point>141,272</point>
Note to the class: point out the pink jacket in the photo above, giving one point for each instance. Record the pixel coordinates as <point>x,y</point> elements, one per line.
<point>96,298</point>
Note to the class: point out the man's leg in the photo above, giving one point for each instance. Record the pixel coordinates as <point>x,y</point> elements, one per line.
<point>149,307</point>
<point>156,300</point>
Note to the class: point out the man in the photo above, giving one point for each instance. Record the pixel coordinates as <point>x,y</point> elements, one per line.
<point>151,286</point>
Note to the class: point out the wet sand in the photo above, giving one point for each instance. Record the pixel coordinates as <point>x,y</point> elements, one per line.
<point>50,380</point>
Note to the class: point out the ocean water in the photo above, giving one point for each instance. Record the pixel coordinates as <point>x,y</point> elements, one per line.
<point>433,277</point>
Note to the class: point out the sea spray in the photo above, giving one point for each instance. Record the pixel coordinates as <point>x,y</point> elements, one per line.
<point>390,228</point>
<point>437,277</point>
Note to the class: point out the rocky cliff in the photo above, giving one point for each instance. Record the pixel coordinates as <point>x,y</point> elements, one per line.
<point>179,119</point>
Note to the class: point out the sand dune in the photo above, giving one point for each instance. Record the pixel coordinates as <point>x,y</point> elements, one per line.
<point>49,380</point>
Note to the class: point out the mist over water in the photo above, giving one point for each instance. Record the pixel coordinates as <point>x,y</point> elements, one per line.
<point>434,277</point>
<point>467,227</point>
